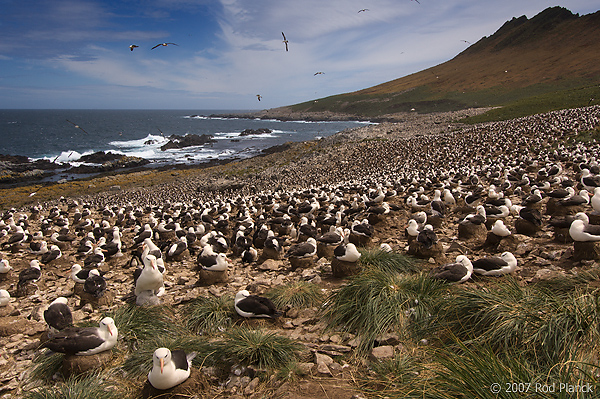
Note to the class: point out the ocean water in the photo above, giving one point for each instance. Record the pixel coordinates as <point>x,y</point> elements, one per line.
<point>52,134</point>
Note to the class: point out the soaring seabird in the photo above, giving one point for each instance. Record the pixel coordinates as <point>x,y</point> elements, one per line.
<point>531,215</point>
<point>456,272</point>
<point>84,340</point>
<point>495,266</point>
<point>247,305</point>
<point>132,46</point>
<point>285,41</point>
<point>164,45</point>
<point>58,315</point>
<point>335,235</point>
<point>218,262</point>
<point>170,368</point>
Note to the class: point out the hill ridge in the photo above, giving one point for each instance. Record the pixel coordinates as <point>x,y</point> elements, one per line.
<point>524,58</point>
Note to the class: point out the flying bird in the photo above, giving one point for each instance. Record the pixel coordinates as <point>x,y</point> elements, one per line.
<point>258,96</point>
<point>319,73</point>
<point>466,41</point>
<point>164,44</point>
<point>132,46</point>
<point>363,10</point>
<point>285,41</point>
<point>77,126</point>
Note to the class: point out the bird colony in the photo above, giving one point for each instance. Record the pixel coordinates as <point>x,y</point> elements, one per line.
<point>518,197</point>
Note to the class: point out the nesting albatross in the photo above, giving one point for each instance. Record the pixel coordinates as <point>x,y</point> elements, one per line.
<point>84,340</point>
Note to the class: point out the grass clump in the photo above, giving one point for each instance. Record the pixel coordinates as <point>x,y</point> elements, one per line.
<point>45,365</point>
<point>386,377</point>
<point>301,294</point>
<point>93,386</point>
<point>140,323</point>
<point>388,261</point>
<point>376,302</point>
<point>209,315</point>
<point>551,327</point>
<point>263,349</point>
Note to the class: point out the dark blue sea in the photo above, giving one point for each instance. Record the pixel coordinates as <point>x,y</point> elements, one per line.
<point>52,134</point>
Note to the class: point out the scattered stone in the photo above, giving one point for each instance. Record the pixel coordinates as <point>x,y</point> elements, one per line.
<point>379,353</point>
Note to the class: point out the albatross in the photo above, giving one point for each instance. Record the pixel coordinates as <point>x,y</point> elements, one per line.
<point>84,340</point>
<point>58,315</point>
<point>163,45</point>
<point>456,272</point>
<point>170,368</point>
<point>285,41</point>
<point>247,305</point>
<point>495,266</point>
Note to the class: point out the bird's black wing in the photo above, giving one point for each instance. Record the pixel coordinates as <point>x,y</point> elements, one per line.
<point>58,316</point>
<point>491,263</point>
<point>73,340</point>
<point>179,358</point>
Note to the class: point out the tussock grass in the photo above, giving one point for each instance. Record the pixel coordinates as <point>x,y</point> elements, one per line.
<point>93,386</point>
<point>209,315</point>
<point>376,302</point>
<point>387,377</point>
<point>264,349</point>
<point>140,323</point>
<point>388,261</point>
<point>550,327</point>
<point>45,364</point>
<point>301,294</point>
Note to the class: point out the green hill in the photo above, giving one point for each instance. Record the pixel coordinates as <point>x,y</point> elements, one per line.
<point>550,61</point>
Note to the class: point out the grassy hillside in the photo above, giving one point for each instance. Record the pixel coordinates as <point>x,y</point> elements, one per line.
<point>529,65</point>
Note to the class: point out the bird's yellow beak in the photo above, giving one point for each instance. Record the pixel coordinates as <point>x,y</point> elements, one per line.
<point>162,365</point>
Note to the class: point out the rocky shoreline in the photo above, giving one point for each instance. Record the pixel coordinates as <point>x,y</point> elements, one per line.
<point>399,158</point>
<point>19,170</point>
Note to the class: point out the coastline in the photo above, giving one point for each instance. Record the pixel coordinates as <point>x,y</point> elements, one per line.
<point>286,113</point>
<point>17,193</point>
<point>336,169</point>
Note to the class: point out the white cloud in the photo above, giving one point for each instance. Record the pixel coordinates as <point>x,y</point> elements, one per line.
<point>355,50</point>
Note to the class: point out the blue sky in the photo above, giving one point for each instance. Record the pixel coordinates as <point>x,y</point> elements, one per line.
<point>75,53</point>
